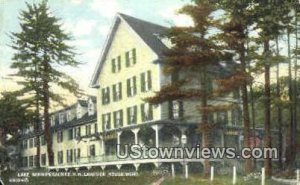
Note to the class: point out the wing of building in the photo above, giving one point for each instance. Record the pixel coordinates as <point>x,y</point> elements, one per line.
<point>127,72</point>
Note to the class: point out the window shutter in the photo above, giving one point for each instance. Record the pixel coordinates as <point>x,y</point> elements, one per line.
<point>113,65</point>
<point>103,122</point>
<point>134,55</point>
<point>149,80</point>
<point>120,90</point>
<point>226,118</point>
<point>170,107</point>
<point>134,85</point>
<point>135,114</point>
<point>115,119</point>
<point>109,121</point>
<point>114,93</point>
<point>142,82</point>
<point>119,63</point>
<point>181,111</point>
<point>143,112</point>
<point>128,116</point>
<point>121,118</point>
<point>108,95</point>
<point>128,87</point>
<point>103,96</point>
<point>127,59</point>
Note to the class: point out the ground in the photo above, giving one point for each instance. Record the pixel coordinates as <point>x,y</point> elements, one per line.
<point>145,178</point>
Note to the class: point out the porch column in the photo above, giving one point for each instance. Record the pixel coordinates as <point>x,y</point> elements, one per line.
<point>183,136</point>
<point>156,128</point>
<point>118,140</point>
<point>102,145</point>
<point>136,131</point>
<point>223,138</point>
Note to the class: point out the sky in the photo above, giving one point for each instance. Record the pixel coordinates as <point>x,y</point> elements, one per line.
<point>88,22</point>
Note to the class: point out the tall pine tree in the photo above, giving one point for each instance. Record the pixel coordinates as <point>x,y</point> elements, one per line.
<point>41,50</point>
<point>194,61</point>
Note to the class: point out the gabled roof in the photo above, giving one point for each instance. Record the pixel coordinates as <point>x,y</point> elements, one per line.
<point>147,31</point>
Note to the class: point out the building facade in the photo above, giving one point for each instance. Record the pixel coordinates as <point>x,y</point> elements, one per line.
<point>87,133</point>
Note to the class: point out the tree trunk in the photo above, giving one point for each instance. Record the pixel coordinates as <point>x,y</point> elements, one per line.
<point>267,103</point>
<point>37,120</point>
<point>204,125</point>
<point>48,135</point>
<point>291,140</point>
<point>37,130</point>
<point>279,112</point>
<point>246,118</point>
<point>295,92</point>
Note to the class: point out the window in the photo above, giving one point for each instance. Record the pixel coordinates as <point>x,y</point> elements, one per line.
<point>70,134</point>
<point>43,159</point>
<point>35,142</point>
<point>132,115</point>
<point>176,109</point>
<point>31,143</point>
<point>69,115</point>
<point>131,86</point>
<point>92,151</point>
<point>77,132</point>
<point>69,156</point>
<point>130,57</point>
<point>146,112</point>
<point>106,121</point>
<point>60,157</point>
<point>116,64</point>
<point>43,125</point>
<point>76,154</point>
<point>95,128</point>
<point>52,120</point>
<point>31,162</point>
<point>88,130</point>
<point>222,117</point>
<point>91,110</point>
<point>235,116</point>
<point>146,81</point>
<point>117,92</point>
<point>61,118</point>
<point>25,161</point>
<point>105,96</point>
<point>118,119</point>
<point>59,136</point>
<point>78,112</point>
<point>25,144</point>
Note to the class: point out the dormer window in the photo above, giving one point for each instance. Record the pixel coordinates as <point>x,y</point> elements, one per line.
<point>61,118</point>
<point>78,112</point>
<point>91,110</point>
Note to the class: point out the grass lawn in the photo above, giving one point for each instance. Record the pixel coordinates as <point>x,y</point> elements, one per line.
<point>223,180</point>
<point>142,179</point>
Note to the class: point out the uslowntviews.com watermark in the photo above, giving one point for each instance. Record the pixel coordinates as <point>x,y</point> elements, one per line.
<point>136,151</point>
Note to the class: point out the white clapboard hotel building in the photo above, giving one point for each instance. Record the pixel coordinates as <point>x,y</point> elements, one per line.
<point>85,134</point>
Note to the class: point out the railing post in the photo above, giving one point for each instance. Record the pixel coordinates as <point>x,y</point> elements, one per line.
<point>234,175</point>
<point>186,170</point>
<point>211,173</point>
<point>263,177</point>
<point>298,177</point>
<point>173,170</point>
